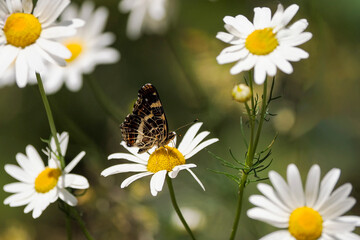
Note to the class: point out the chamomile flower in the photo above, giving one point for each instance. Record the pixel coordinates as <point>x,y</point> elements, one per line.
<point>266,44</point>
<point>315,213</point>
<point>89,47</point>
<point>40,185</point>
<point>27,36</point>
<point>161,161</point>
<point>150,16</point>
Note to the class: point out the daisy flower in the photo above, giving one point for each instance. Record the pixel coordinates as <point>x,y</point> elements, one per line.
<point>40,185</point>
<point>266,44</point>
<point>89,47</point>
<point>161,161</point>
<point>315,213</point>
<point>27,36</point>
<point>145,16</point>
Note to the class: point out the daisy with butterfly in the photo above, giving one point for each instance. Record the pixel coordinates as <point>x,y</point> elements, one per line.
<point>152,148</point>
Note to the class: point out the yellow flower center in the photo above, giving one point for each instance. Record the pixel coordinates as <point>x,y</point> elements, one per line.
<point>261,42</point>
<point>22,29</point>
<point>165,158</point>
<point>75,49</point>
<point>305,224</point>
<point>47,180</point>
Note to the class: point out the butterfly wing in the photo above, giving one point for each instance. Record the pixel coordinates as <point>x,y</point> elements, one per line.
<point>146,126</point>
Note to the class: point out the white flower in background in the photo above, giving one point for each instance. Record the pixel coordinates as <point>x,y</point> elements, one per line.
<point>315,213</point>
<point>89,47</point>
<point>266,44</point>
<point>194,218</point>
<point>150,16</point>
<point>161,161</point>
<point>27,36</point>
<point>40,185</point>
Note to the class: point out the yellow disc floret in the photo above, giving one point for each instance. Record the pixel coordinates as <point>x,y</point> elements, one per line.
<point>47,179</point>
<point>261,42</point>
<point>305,224</point>
<point>165,158</point>
<point>75,49</point>
<point>22,29</point>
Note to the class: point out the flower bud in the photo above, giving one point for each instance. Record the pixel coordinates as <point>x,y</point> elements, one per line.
<point>241,93</point>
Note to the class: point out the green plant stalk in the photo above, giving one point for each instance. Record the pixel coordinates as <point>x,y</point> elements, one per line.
<point>81,223</point>
<point>251,150</point>
<point>50,119</point>
<point>176,207</point>
<point>68,223</point>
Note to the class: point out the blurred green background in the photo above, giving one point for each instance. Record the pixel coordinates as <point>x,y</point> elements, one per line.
<point>318,121</point>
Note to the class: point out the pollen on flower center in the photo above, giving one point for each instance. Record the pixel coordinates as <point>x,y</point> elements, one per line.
<point>165,158</point>
<point>261,42</point>
<point>75,49</point>
<point>22,29</point>
<point>305,224</point>
<point>47,180</point>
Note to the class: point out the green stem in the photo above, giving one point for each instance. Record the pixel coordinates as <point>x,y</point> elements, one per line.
<point>50,119</point>
<point>68,225</point>
<point>239,205</point>
<point>81,223</point>
<point>251,149</point>
<point>108,106</point>
<point>176,207</point>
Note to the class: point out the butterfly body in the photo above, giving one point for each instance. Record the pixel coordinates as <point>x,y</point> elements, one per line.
<point>146,126</point>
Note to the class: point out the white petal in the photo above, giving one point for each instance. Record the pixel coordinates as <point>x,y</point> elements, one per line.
<point>288,14</point>
<point>32,203</point>
<point>27,6</point>
<point>133,178</point>
<point>241,24</point>
<point>312,185</point>
<point>157,182</point>
<point>336,198</point>
<point>265,203</point>
<point>244,64</point>
<point>259,73</point>
<point>57,32</point>
<point>225,37</point>
<point>135,23</point>
<point>133,150</point>
<point>8,54</point>
<point>35,158</point>
<point>280,62</point>
<point>18,173</point>
<point>67,197</point>
<point>295,185</point>
<point>200,147</point>
<point>76,181</point>
<point>25,164</point>
<point>347,236</point>
<point>326,186</point>
<point>48,56</point>
<point>262,17</point>
<point>229,57</point>
<point>39,207</point>
<point>14,6</point>
<point>72,23</point>
<point>16,187</point>
<point>127,156</point>
<point>74,162</point>
<point>333,227</point>
<point>350,219</point>
<point>50,12</point>
<point>276,19</point>
<point>196,178</point>
<point>34,60</point>
<point>74,81</point>
<point>282,189</point>
<point>268,217</point>
<point>121,168</point>
<point>189,136</point>
<point>269,192</point>
<point>278,235</point>
<point>54,48</point>
<point>293,54</point>
<point>196,141</point>
<point>25,195</point>
<point>22,70</point>
<point>340,209</point>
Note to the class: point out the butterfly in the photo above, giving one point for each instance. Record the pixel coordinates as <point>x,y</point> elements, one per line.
<point>146,126</point>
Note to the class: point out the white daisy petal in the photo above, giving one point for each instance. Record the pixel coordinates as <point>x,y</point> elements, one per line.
<point>27,6</point>
<point>276,19</point>
<point>340,209</point>
<point>7,56</point>
<point>265,203</point>
<point>20,196</point>
<point>347,236</point>
<point>244,64</point>
<point>201,136</point>
<point>288,14</point>
<point>189,136</point>
<point>196,178</point>
<point>333,227</point>
<point>350,219</point>
<point>336,198</point>
<point>326,186</point>
<point>21,70</point>
<point>54,48</point>
<point>262,17</point>
<point>16,187</point>
<point>35,158</point>
<point>282,189</point>
<point>268,217</point>
<point>51,12</point>
<point>74,162</point>
<point>312,185</point>
<point>225,37</point>
<point>157,182</point>
<point>269,192</point>
<point>76,181</point>
<point>127,156</point>
<point>200,147</point>
<point>32,203</point>
<point>18,173</point>
<point>67,197</point>
<point>57,32</point>
<point>295,185</point>
<point>281,63</point>
<point>278,235</point>
<point>133,178</point>
<point>259,73</point>
<point>121,168</point>
<point>134,150</point>
<point>14,6</point>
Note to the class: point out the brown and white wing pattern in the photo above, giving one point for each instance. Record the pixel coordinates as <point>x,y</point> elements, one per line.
<point>146,126</point>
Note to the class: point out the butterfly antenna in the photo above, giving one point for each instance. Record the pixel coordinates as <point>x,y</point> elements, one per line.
<point>196,120</point>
